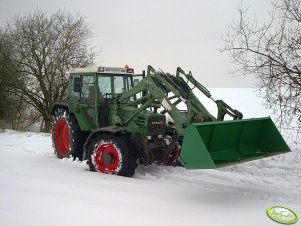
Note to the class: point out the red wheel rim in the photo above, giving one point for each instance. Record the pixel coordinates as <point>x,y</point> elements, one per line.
<point>173,156</point>
<point>61,138</point>
<point>107,158</point>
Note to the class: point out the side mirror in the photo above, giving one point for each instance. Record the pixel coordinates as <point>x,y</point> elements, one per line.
<point>136,81</point>
<point>77,84</point>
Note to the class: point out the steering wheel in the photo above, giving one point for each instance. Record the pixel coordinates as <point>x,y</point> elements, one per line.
<point>108,95</point>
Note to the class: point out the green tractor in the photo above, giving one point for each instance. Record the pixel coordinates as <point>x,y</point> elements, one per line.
<point>116,119</point>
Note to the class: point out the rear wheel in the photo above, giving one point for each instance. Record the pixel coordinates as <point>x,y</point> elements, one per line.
<point>111,154</point>
<point>67,138</point>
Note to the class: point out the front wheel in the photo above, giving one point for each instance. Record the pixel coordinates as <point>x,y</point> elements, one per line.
<point>172,155</point>
<point>111,154</point>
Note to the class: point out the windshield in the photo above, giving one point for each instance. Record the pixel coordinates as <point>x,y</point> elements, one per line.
<point>111,85</point>
<point>120,84</point>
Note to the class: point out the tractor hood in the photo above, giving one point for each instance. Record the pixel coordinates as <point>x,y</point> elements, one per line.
<point>146,122</point>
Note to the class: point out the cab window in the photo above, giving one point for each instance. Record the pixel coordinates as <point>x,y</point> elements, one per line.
<point>119,84</point>
<point>87,91</point>
<point>105,86</point>
<point>73,96</point>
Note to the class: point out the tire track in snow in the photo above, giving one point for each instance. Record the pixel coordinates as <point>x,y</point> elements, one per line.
<point>262,179</point>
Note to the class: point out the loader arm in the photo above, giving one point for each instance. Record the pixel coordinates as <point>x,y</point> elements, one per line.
<point>170,91</point>
<point>222,107</point>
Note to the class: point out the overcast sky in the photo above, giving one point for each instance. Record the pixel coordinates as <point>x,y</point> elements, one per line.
<point>165,34</point>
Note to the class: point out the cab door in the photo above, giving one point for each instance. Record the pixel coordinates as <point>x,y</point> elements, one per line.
<point>88,100</point>
<point>83,101</point>
<point>105,99</point>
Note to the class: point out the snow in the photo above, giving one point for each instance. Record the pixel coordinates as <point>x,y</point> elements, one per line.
<point>37,188</point>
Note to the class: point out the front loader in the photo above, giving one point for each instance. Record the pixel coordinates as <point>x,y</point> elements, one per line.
<point>117,119</point>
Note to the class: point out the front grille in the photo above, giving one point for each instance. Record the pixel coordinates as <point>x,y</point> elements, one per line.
<point>156,124</point>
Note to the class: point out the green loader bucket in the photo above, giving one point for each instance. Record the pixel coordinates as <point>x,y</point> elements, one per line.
<point>220,143</point>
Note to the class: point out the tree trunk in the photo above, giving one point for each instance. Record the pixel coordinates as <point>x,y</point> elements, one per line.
<point>47,125</point>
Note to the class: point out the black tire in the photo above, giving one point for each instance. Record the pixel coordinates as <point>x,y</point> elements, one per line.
<point>67,138</point>
<point>112,154</point>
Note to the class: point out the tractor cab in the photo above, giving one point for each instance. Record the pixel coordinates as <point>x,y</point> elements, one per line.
<point>108,82</point>
<point>112,81</point>
<point>93,92</point>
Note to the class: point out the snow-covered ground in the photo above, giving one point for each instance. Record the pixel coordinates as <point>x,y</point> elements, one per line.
<point>36,188</point>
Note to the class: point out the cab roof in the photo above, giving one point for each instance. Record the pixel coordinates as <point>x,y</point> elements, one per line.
<point>103,70</point>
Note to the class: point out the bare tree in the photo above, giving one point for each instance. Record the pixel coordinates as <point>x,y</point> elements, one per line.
<point>272,53</point>
<point>4,76</point>
<point>9,104</point>
<point>44,46</point>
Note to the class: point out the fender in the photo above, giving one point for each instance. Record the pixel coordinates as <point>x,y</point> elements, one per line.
<point>61,104</point>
